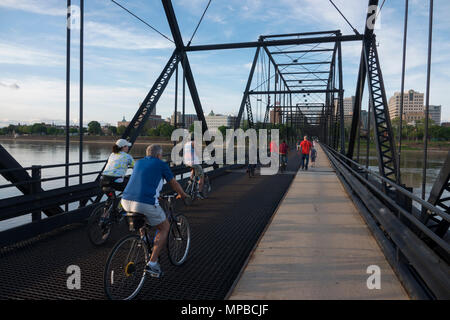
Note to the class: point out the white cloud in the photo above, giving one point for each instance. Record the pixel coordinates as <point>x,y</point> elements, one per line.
<point>24,55</point>
<point>13,86</point>
<point>108,36</point>
<point>47,7</point>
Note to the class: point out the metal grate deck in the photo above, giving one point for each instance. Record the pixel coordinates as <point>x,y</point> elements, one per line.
<point>224,227</point>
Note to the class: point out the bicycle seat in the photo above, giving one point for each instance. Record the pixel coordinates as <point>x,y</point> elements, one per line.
<point>168,196</point>
<point>107,189</point>
<point>135,220</point>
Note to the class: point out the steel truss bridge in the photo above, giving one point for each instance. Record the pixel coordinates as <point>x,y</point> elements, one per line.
<point>299,83</point>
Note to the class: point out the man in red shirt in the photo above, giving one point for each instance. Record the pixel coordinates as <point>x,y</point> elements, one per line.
<point>305,147</point>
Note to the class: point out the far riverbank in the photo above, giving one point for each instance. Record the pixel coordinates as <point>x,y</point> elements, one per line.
<point>86,139</point>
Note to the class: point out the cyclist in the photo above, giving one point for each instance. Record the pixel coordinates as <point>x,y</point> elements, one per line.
<point>284,150</point>
<point>116,168</point>
<point>191,160</point>
<point>141,196</point>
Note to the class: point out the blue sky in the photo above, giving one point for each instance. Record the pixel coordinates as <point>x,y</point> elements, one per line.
<point>123,57</point>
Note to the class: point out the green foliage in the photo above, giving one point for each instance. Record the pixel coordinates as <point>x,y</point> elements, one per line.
<point>94,128</point>
<point>165,129</point>
<point>153,132</point>
<point>113,130</point>
<point>223,130</point>
<point>121,130</point>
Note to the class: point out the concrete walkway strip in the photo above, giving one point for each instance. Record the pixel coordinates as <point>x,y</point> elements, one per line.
<point>318,247</point>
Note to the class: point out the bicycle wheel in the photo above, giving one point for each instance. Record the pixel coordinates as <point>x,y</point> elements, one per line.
<point>189,190</point>
<point>179,240</point>
<point>99,229</point>
<point>206,187</point>
<point>124,273</point>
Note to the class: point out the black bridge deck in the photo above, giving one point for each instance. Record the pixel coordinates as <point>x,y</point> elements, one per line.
<point>225,227</point>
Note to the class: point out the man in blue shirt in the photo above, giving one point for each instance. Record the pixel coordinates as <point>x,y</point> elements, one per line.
<point>141,196</point>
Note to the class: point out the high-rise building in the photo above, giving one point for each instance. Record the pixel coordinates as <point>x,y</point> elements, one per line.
<point>214,121</point>
<point>348,105</point>
<point>412,103</point>
<point>435,114</point>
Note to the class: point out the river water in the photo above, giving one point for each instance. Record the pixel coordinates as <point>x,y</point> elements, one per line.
<point>29,153</point>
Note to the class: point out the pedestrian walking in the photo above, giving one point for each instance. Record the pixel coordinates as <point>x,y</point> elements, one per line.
<point>313,157</point>
<point>305,150</point>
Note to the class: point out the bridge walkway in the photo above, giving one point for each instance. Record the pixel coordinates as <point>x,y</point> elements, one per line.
<point>317,246</point>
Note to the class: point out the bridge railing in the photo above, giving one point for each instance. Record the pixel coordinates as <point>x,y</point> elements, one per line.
<point>418,255</point>
<point>79,199</point>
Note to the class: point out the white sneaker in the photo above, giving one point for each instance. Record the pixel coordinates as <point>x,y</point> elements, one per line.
<point>154,270</point>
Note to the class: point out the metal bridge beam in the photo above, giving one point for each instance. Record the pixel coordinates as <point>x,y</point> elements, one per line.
<point>368,32</point>
<point>300,51</point>
<point>294,91</point>
<point>247,87</point>
<point>284,42</point>
<point>174,28</point>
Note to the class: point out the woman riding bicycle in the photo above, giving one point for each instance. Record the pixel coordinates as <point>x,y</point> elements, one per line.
<point>117,166</point>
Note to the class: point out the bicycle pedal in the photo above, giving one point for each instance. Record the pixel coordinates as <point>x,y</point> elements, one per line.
<point>155,275</point>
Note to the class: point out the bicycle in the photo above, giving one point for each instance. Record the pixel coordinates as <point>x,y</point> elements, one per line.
<point>192,185</point>
<point>124,273</point>
<point>104,217</point>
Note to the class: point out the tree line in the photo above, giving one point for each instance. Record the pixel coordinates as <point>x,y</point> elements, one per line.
<point>94,128</point>
<point>413,132</point>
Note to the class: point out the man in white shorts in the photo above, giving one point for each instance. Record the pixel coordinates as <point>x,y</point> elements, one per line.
<point>192,160</point>
<point>141,196</point>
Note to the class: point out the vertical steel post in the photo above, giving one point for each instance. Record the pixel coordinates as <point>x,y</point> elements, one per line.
<point>358,147</point>
<point>402,89</point>
<point>35,188</point>
<point>427,106</point>
<point>184,97</point>
<point>176,96</point>
<point>341,99</point>
<point>368,136</point>
<point>81,90</point>
<point>268,96</point>
<point>68,25</point>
